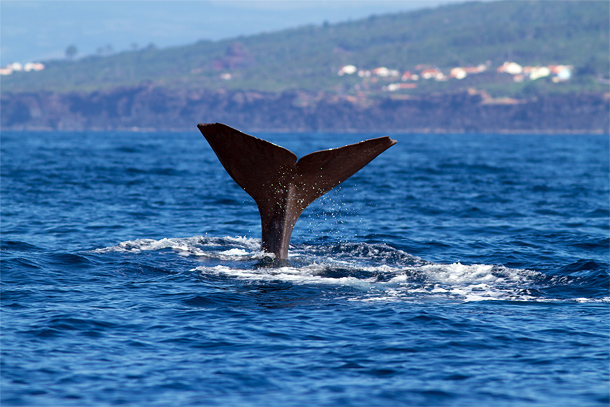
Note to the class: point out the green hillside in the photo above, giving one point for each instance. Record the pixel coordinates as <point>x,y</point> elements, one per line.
<point>574,33</point>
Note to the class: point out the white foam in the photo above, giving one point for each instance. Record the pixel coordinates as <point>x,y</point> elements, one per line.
<point>454,281</point>
<point>377,272</point>
<point>235,252</point>
<point>192,246</point>
<point>297,275</point>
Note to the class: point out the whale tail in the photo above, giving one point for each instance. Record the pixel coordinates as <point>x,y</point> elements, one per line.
<point>281,186</point>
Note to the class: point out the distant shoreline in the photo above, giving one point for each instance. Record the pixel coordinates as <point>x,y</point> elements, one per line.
<point>298,131</point>
<point>146,108</point>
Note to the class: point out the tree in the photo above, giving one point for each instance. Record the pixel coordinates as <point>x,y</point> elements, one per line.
<point>71,52</point>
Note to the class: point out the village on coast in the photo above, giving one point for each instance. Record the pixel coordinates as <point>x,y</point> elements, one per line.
<point>19,67</point>
<point>408,79</point>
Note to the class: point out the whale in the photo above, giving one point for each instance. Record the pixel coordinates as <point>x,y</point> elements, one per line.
<point>281,185</point>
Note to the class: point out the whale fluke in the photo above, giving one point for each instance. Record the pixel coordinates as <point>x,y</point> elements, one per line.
<point>281,186</point>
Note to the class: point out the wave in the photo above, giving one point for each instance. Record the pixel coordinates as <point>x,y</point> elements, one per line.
<point>376,272</point>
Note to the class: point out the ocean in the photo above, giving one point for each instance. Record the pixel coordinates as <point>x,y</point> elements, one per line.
<point>453,270</point>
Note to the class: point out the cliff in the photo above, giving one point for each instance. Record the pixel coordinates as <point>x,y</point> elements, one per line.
<point>148,107</point>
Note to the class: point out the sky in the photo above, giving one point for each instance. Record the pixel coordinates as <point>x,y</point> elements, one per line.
<point>32,31</point>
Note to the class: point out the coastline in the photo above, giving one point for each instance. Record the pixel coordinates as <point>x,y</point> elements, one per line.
<point>148,108</point>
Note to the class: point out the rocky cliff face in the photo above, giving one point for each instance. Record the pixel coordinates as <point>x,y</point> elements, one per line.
<point>149,107</point>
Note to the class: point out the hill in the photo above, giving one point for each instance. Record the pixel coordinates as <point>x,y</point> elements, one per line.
<point>531,33</point>
<point>506,66</point>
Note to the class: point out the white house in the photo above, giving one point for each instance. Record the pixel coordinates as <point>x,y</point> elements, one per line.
<point>538,72</point>
<point>347,70</point>
<point>511,68</point>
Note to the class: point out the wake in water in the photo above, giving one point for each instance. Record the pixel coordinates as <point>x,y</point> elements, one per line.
<point>376,272</point>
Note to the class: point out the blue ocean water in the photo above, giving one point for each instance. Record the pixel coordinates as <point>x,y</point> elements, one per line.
<point>454,270</point>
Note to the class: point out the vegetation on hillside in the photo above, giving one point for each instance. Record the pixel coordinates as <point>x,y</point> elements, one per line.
<point>532,33</point>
